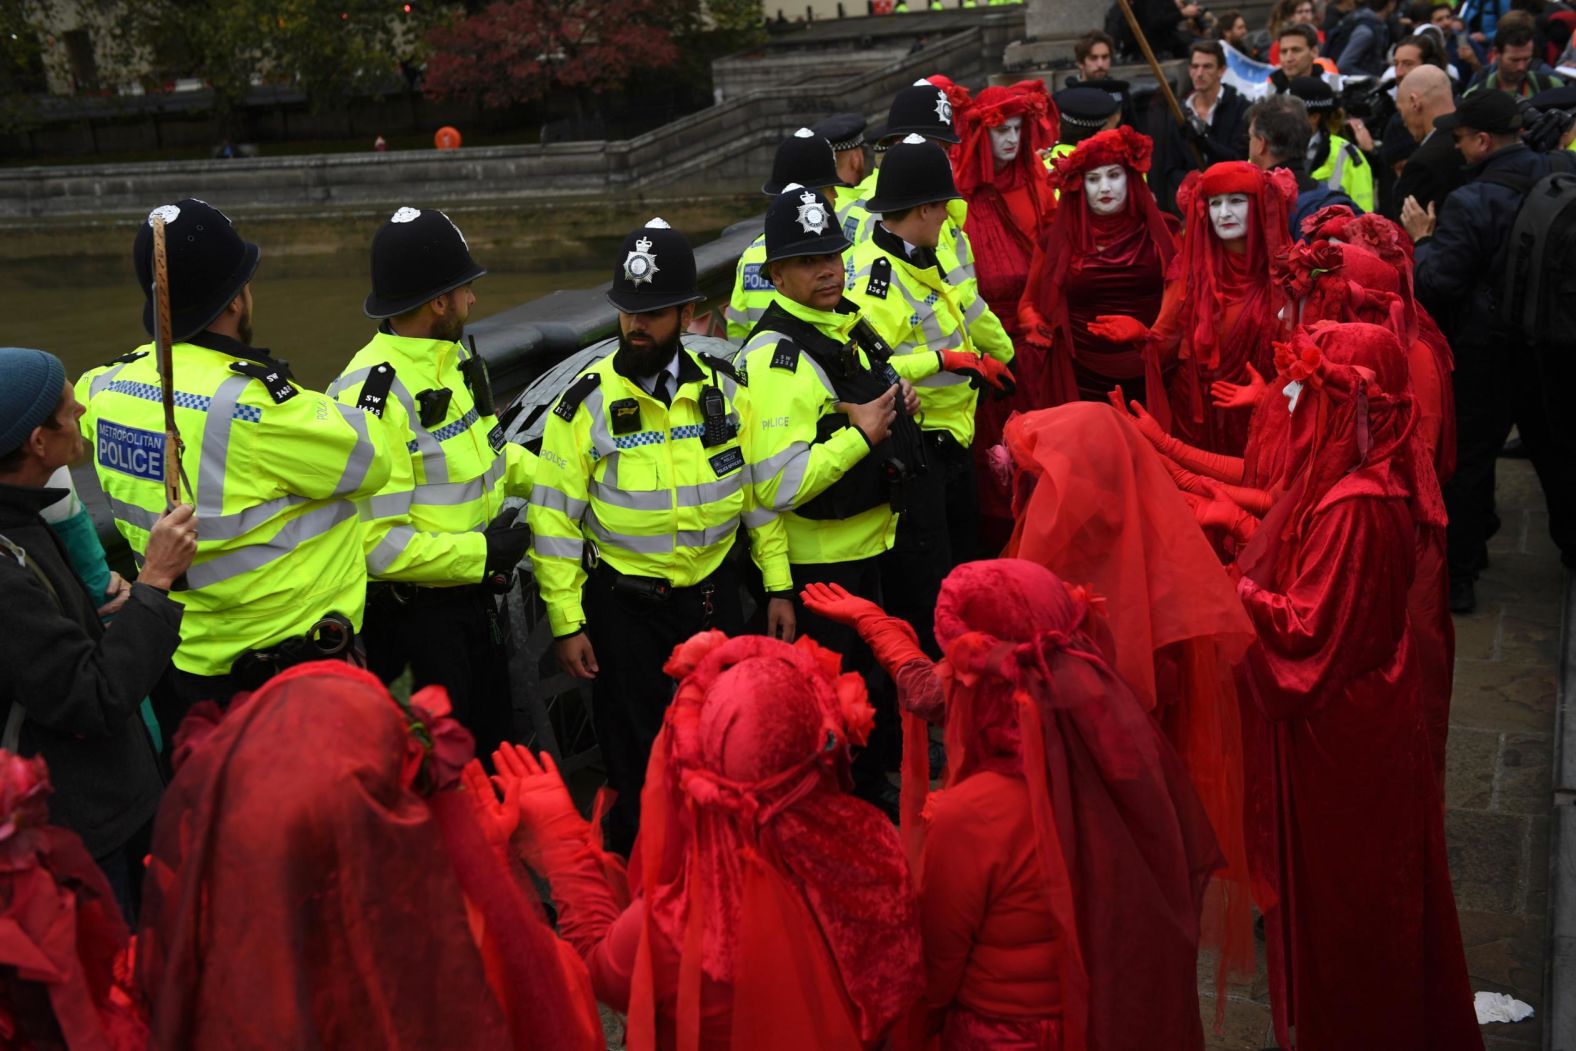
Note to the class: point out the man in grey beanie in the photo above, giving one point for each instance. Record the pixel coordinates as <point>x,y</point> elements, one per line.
<point>72,687</point>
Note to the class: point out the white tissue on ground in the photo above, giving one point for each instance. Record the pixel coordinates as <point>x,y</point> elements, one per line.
<point>1498,1007</point>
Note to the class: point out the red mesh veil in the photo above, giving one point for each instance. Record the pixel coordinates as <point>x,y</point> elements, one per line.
<point>1124,844</point>
<point>62,939</point>
<point>297,874</point>
<point>973,163</point>
<point>755,862</point>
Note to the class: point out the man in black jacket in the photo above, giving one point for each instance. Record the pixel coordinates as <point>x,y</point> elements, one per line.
<point>1460,257</point>
<point>72,687</point>
<point>1434,168</point>
<point>1216,113</point>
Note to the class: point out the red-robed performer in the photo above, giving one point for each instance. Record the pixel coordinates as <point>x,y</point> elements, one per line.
<point>1345,818</point>
<point>1094,504</point>
<point>320,878</point>
<point>64,980</point>
<point>1010,204</point>
<point>1107,252</point>
<point>1061,871</point>
<point>1221,310</point>
<point>771,910</point>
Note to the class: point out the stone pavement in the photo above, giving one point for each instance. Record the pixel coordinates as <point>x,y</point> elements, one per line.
<point>1498,788</point>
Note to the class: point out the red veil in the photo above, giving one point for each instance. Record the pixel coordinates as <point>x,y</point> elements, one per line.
<point>759,867</point>
<point>62,939</point>
<point>311,850</point>
<point>1120,836</point>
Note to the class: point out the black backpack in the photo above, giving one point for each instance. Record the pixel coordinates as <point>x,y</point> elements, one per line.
<point>1537,292</point>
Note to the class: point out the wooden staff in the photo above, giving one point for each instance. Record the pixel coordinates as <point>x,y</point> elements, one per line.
<point>161,342</point>
<point>1165,85</point>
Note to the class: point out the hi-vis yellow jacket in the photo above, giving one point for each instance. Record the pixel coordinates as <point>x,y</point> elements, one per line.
<point>919,310</point>
<point>635,479</point>
<point>448,477</point>
<point>789,394</point>
<point>275,470</point>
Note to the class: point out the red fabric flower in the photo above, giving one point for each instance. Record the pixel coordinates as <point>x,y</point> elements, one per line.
<point>452,744</point>
<point>1298,359</point>
<point>1329,221</point>
<point>1121,145</point>
<point>688,654</point>
<point>859,718</point>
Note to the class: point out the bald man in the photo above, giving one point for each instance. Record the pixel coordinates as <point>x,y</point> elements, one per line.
<point>1434,169</point>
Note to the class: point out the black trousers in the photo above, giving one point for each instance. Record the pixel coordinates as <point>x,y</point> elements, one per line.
<point>633,637</point>
<point>449,637</point>
<point>863,578</point>
<point>938,529</point>
<point>1495,387</point>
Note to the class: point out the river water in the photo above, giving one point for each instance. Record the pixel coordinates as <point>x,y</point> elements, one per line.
<point>89,309</point>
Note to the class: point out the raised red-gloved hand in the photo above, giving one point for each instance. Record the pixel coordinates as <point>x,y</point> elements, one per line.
<point>1117,328</point>
<point>891,639</point>
<point>1185,479</point>
<point>1238,395</point>
<point>497,817</point>
<point>980,369</point>
<point>548,820</point>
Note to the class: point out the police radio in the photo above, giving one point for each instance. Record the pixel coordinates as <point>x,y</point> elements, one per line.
<point>714,417</point>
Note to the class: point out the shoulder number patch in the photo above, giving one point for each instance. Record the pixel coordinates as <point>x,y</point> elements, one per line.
<point>578,391</point>
<point>880,280</point>
<point>786,356</point>
<point>279,386</point>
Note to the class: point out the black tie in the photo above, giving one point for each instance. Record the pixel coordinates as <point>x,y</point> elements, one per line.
<point>659,390</point>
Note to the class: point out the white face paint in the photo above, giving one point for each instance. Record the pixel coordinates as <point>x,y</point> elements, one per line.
<point>1005,138</point>
<point>1292,391</point>
<point>1228,214</point>
<point>1105,188</point>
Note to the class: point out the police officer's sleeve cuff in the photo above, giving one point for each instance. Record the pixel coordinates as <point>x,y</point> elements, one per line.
<point>581,630</point>
<point>786,596</point>
<point>566,622</point>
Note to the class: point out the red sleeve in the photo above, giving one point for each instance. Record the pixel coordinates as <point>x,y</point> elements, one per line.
<point>954,885</point>
<point>919,691</point>
<point>1324,630</point>
<point>612,961</point>
<point>588,903</point>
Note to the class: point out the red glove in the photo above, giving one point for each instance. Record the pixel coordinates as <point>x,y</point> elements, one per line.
<point>497,817</point>
<point>1238,395</point>
<point>980,368</point>
<point>891,639</point>
<point>1219,512</point>
<point>549,824</point>
<point>1118,328</point>
<point>1035,331</point>
<point>1185,479</point>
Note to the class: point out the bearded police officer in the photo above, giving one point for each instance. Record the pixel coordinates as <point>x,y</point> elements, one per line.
<point>642,485</point>
<point>437,566</point>
<point>273,470</point>
<point>920,303</point>
<point>804,158</point>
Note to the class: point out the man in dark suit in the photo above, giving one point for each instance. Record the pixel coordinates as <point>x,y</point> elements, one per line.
<point>1434,169</point>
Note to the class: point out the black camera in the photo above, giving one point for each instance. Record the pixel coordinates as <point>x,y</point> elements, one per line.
<point>1542,130</point>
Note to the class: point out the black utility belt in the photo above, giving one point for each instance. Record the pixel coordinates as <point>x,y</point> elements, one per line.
<point>654,590</point>
<point>401,594</point>
<point>333,637</point>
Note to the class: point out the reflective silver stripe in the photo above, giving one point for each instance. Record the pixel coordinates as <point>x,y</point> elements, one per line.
<point>348,380</point>
<point>929,323</point>
<point>228,527</point>
<point>769,468</point>
<point>632,499</point>
<point>216,450</point>
<point>104,379</point>
<point>1339,169</point>
<point>792,480</point>
<point>545,496</point>
<point>133,515</point>
<point>707,537</point>
<point>601,440</point>
<point>359,462</point>
<point>434,464</point>
<point>640,545</point>
<point>390,505</point>
<point>315,523</point>
<point>558,546</point>
<point>393,544</point>
<point>975,310</point>
<point>710,492</point>
<point>942,379</point>
<point>454,494</point>
<point>757,517</point>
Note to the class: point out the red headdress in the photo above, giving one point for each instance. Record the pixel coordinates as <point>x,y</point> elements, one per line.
<point>1333,281</point>
<point>61,934</point>
<point>1215,272</point>
<point>1329,221</point>
<point>309,848</point>
<point>1076,231</point>
<point>973,163</point>
<point>757,864</point>
<point>1124,844</point>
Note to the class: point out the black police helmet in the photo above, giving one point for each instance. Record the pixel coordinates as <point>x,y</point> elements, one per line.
<point>804,158</point>
<point>801,222</point>
<point>656,270</point>
<point>845,131</point>
<point>208,264</point>
<point>915,172</point>
<point>919,109</point>
<point>417,256</point>
<point>1315,92</point>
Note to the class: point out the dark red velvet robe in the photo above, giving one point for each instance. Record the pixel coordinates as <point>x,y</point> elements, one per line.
<point>1345,822</point>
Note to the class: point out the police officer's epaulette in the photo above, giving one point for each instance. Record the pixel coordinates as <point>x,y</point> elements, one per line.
<point>578,391</point>
<point>725,367</point>
<point>278,383</point>
<point>375,389</point>
<point>786,356</point>
<point>1355,154</point>
<point>125,359</point>
<point>880,278</point>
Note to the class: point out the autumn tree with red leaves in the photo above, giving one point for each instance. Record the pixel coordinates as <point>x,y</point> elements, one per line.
<point>517,51</point>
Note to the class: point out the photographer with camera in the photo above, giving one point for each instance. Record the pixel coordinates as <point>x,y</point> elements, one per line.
<point>1500,381</point>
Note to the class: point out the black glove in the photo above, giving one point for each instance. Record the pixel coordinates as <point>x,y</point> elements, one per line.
<point>507,540</point>
<point>1196,128</point>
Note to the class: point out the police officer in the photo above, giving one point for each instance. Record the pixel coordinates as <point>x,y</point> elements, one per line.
<point>642,485</point>
<point>1085,111</point>
<point>804,158</point>
<point>436,564</point>
<point>1336,161</point>
<point>920,304</point>
<point>273,470</point>
<point>919,109</point>
<point>846,134</point>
